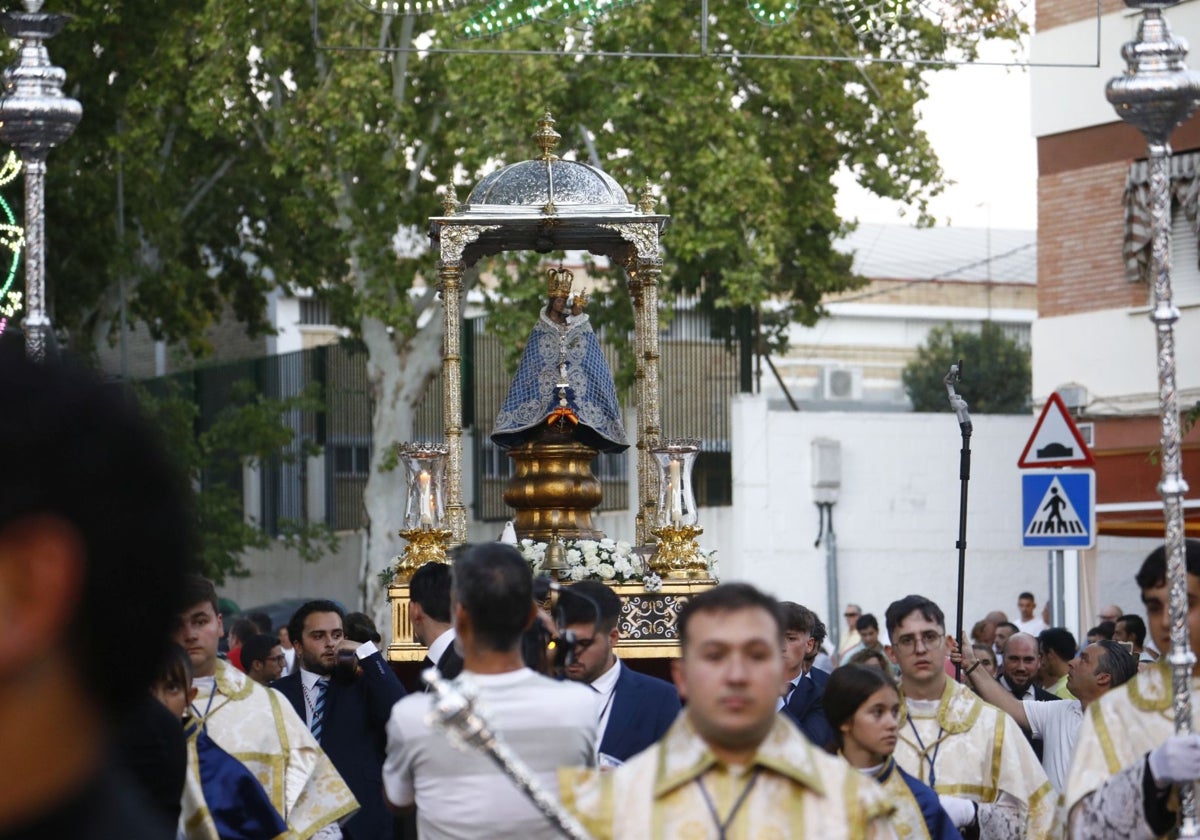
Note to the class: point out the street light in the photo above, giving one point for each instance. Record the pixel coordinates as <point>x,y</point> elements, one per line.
<point>34,118</point>
<point>1157,93</point>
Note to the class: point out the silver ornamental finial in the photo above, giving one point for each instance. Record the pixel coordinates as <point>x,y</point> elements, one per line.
<point>35,117</point>
<point>1157,91</point>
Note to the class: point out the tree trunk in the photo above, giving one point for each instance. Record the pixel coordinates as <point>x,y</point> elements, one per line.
<point>399,370</point>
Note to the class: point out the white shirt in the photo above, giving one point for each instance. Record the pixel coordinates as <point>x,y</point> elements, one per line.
<point>606,687</point>
<point>289,665</point>
<point>462,795</point>
<point>440,645</point>
<point>308,685</point>
<point>1033,626</point>
<point>782,701</point>
<point>1057,723</point>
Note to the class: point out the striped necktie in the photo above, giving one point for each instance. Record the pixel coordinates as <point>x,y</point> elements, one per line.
<point>319,710</point>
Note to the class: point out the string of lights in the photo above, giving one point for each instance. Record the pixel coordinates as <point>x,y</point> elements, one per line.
<point>504,15</point>
<point>12,237</point>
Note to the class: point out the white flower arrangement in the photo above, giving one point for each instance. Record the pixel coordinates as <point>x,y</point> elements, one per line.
<point>608,561</point>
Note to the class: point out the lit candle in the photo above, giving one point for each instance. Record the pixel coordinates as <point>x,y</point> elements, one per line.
<point>426,499</point>
<point>676,490</point>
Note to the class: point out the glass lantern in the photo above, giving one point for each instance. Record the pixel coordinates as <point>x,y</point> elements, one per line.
<point>425,464</point>
<point>676,502</point>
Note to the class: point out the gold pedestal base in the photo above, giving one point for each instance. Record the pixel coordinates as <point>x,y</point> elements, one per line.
<point>425,545</point>
<point>648,620</point>
<point>678,553</point>
<point>553,489</point>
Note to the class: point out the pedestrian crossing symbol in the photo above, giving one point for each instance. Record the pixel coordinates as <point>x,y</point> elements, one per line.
<point>1059,508</point>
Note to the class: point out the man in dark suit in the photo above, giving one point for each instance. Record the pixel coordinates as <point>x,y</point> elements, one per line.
<point>1019,669</point>
<point>801,697</point>
<point>633,710</point>
<point>346,711</point>
<point>429,612</point>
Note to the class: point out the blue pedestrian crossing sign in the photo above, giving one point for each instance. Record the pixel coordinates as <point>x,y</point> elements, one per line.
<point>1058,508</point>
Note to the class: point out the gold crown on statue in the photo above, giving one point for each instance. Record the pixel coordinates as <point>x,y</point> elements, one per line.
<point>558,282</point>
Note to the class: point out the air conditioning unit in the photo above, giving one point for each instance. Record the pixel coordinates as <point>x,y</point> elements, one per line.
<point>841,384</point>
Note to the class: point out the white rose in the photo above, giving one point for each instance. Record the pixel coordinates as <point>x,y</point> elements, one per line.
<point>607,544</point>
<point>624,547</point>
<point>573,556</point>
<point>577,573</point>
<point>622,567</point>
<point>606,571</point>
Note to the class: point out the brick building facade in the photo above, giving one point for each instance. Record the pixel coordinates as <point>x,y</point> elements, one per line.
<point>1093,330</point>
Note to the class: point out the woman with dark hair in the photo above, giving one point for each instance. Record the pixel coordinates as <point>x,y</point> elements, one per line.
<point>862,705</point>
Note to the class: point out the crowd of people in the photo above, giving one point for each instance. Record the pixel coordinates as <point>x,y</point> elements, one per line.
<point>305,730</point>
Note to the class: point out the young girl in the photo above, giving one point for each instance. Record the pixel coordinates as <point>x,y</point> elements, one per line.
<point>173,686</point>
<point>863,707</point>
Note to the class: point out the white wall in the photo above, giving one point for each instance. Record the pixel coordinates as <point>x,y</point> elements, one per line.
<point>897,515</point>
<point>1123,364</point>
<point>278,573</point>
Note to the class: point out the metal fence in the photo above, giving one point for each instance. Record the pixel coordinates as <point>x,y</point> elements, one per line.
<point>699,374</point>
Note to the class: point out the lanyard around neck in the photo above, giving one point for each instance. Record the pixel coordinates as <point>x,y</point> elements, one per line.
<point>723,827</point>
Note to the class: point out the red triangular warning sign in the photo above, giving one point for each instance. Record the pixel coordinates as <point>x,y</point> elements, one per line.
<point>1055,441</point>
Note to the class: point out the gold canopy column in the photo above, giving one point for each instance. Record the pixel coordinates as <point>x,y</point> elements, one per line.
<point>647,267</point>
<point>453,239</point>
<point>450,286</point>
<point>641,524</point>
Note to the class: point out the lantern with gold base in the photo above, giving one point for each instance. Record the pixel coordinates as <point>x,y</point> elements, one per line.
<point>678,554</point>
<point>424,518</point>
<point>425,464</point>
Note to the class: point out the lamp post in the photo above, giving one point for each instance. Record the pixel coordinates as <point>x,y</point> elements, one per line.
<point>1157,93</point>
<point>35,117</point>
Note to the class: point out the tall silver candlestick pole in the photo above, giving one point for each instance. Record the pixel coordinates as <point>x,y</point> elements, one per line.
<point>1156,94</point>
<point>35,117</point>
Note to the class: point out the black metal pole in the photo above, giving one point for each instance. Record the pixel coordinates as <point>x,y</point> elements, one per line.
<point>964,477</point>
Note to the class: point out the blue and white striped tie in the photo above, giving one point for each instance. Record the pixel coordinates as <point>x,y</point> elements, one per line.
<point>319,710</point>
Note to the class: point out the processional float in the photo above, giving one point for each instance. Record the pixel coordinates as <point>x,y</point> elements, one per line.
<point>542,205</point>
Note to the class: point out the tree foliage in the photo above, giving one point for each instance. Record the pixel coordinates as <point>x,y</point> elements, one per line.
<point>249,428</point>
<point>223,153</point>
<point>996,373</point>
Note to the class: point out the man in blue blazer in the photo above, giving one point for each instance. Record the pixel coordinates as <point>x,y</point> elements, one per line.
<point>801,697</point>
<point>633,710</point>
<point>347,712</point>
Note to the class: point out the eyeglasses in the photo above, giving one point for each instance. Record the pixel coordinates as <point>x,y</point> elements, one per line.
<point>850,615</point>
<point>929,639</point>
<point>583,644</point>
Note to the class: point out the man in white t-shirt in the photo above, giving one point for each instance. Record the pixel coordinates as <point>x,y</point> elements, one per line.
<point>1029,622</point>
<point>548,724</point>
<point>1099,668</point>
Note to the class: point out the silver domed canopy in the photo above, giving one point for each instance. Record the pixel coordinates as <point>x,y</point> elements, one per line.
<point>547,186</point>
<point>548,204</point>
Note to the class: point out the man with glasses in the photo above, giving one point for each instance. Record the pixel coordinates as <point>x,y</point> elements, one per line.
<point>957,744</point>
<point>263,658</point>
<point>633,710</point>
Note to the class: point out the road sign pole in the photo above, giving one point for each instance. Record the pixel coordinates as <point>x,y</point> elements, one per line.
<point>1058,605</point>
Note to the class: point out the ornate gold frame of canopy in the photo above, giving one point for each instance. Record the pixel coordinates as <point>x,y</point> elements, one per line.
<point>543,205</point>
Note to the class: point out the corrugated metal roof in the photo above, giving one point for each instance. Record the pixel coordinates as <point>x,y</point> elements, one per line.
<point>900,252</point>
